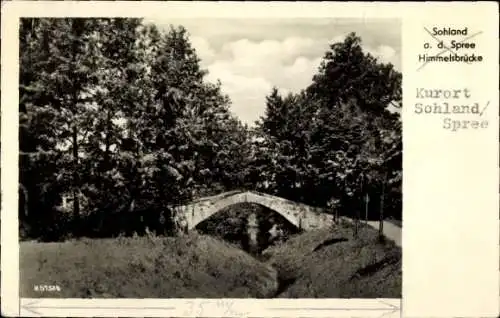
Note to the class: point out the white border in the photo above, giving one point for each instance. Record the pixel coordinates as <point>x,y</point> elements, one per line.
<point>423,257</point>
<point>211,307</point>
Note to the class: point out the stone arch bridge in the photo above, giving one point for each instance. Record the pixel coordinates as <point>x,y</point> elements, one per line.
<point>300,215</point>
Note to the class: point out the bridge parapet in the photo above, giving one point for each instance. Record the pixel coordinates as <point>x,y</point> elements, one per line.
<point>314,209</point>
<point>301,215</point>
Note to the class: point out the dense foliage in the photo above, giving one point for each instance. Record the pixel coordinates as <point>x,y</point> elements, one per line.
<point>338,142</point>
<point>117,123</point>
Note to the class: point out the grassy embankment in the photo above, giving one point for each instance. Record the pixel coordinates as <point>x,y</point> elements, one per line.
<point>184,267</point>
<point>332,264</point>
<point>312,264</point>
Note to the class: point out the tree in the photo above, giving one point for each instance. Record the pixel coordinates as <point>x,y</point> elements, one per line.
<point>118,115</point>
<point>347,72</point>
<point>186,128</point>
<point>118,95</point>
<point>337,139</point>
<point>57,73</point>
<point>275,114</point>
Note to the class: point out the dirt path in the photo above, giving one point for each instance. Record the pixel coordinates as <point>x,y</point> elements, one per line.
<point>391,231</point>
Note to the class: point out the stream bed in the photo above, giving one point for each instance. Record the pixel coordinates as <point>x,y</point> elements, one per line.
<point>252,228</point>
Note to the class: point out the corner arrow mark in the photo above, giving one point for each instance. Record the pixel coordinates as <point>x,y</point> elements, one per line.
<point>32,307</point>
<point>391,308</point>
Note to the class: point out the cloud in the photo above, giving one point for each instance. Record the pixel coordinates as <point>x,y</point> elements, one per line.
<point>383,53</point>
<point>251,56</point>
<point>244,53</point>
<point>237,84</point>
<point>249,69</point>
<point>299,75</point>
<point>247,92</point>
<point>203,49</point>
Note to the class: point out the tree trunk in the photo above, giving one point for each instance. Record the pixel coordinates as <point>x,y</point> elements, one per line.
<point>76,201</point>
<point>24,222</point>
<point>367,201</point>
<point>25,199</point>
<point>381,220</point>
<point>76,88</point>
<point>356,221</point>
<point>358,207</point>
<point>107,140</point>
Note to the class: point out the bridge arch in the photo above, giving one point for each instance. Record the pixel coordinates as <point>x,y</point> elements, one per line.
<point>300,215</point>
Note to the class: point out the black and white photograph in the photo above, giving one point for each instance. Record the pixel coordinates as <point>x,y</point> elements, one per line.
<point>210,158</point>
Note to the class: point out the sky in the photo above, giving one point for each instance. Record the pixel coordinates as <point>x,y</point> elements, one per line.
<point>250,56</point>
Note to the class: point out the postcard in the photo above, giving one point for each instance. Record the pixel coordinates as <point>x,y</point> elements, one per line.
<point>250,159</point>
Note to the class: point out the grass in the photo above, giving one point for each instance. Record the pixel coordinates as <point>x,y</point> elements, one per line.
<point>319,264</point>
<point>325,263</point>
<point>183,267</point>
